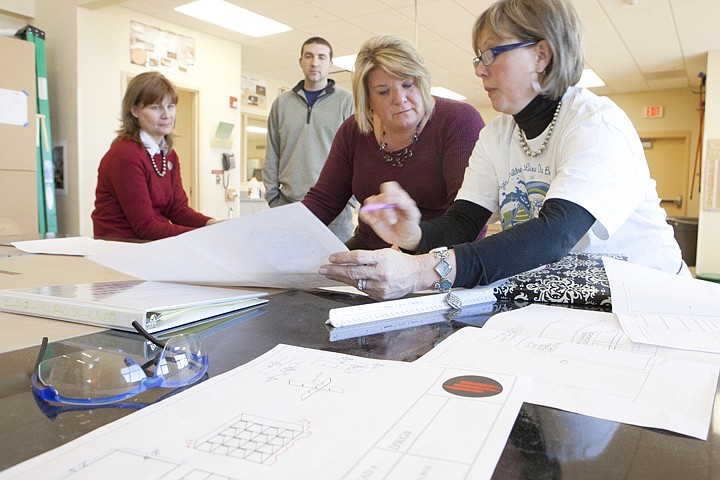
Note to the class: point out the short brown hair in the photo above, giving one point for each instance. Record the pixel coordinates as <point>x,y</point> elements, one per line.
<point>319,41</point>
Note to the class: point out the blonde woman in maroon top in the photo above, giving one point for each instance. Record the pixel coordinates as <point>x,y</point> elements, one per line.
<point>399,133</point>
<point>139,192</point>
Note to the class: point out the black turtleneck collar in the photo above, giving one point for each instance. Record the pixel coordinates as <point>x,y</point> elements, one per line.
<point>536,116</point>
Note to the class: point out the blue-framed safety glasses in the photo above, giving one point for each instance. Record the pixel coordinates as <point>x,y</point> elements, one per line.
<point>100,376</point>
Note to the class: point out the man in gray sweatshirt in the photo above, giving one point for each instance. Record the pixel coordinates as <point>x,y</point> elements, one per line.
<point>301,128</point>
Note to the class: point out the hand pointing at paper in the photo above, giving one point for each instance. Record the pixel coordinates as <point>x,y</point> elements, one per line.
<point>398,225</point>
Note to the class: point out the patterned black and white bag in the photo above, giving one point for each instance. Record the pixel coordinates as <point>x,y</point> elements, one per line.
<point>576,279</point>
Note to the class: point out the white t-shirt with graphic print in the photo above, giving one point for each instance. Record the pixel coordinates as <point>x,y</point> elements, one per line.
<point>594,158</point>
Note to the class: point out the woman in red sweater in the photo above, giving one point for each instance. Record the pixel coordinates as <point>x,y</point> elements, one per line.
<point>139,192</point>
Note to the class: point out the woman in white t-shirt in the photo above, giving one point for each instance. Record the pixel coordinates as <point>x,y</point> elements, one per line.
<point>562,169</point>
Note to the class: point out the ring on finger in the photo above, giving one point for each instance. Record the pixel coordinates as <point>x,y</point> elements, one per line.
<point>362,283</point>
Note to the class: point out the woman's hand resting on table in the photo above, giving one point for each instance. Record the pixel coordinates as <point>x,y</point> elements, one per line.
<point>387,273</point>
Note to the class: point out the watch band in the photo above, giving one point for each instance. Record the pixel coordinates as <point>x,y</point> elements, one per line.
<point>443,269</point>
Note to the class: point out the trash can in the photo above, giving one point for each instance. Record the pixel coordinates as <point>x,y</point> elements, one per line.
<point>686,232</point>
<point>710,277</point>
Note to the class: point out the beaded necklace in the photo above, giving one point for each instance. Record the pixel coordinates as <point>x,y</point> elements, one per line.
<point>164,163</point>
<point>523,141</point>
<point>397,159</point>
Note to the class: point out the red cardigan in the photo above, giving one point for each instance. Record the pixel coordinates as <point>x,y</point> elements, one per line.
<point>132,201</point>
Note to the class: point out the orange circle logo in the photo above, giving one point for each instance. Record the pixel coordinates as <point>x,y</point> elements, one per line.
<point>472,386</point>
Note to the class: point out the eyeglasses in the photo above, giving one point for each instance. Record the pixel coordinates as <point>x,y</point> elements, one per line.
<point>99,376</point>
<point>488,56</point>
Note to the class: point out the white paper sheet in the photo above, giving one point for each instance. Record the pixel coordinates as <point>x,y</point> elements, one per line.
<point>304,414</point>
<point>14,107</point>
<point>665,309</point>
<point>585,327</point>
<point>77,246</point>
<point>642,390</point>
<point>280,247</point>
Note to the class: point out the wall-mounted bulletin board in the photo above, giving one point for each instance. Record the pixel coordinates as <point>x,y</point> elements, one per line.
<point>254,93</point>
<point>160,49</point>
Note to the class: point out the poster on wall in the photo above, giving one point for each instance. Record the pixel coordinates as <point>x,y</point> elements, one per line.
<point>159,49</point>
<point>254,92</point>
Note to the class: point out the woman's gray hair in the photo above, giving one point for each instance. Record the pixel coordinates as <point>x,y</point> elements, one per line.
<point>555,21</point>
<point>396,56</point>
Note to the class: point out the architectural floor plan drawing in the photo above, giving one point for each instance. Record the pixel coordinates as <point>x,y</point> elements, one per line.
<point>624,387</point>
<point>583,327</point>
<point>135,464</point>
<point>138,465</point>
<point>684,316</point>
<point>293,412</point>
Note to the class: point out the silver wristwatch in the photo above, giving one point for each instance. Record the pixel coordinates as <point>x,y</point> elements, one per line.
<point>443,269</point>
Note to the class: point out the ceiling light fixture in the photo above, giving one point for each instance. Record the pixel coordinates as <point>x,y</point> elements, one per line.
<point>590,79</point>
<point>346,62</point>
<point>232,17</point>
<point>445,93</point>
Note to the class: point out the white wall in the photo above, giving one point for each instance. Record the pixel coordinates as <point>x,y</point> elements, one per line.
<point>23,8</point>
<point>90,55</point>
<point>708,253</point>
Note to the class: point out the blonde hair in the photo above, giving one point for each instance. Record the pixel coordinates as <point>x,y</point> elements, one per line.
<point>397,57</point>
<point>555,21</point>
<point>145,89</point>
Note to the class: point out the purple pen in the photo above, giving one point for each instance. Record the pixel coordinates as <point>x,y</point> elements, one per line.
<point>371,207</point>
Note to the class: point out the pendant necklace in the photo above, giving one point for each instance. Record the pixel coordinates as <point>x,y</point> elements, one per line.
<point>164,163</point>
<point>397,159</point>
<point>523,141</point>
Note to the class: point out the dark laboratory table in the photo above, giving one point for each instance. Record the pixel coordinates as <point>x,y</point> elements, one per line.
<point>545,443</point>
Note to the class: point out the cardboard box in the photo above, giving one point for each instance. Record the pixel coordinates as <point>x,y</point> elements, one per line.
<point>17,91</point>
<point>18,197</point>
<point>18,155</point>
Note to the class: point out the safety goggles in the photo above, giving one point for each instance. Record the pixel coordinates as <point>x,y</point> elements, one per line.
<point>101,376</point>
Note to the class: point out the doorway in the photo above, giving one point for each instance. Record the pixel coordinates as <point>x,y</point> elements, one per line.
<point>668,157</point>
<point>254,137</point>
<point>186,143</point>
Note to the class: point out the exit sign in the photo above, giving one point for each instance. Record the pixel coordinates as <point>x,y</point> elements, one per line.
<point>653,111</point>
